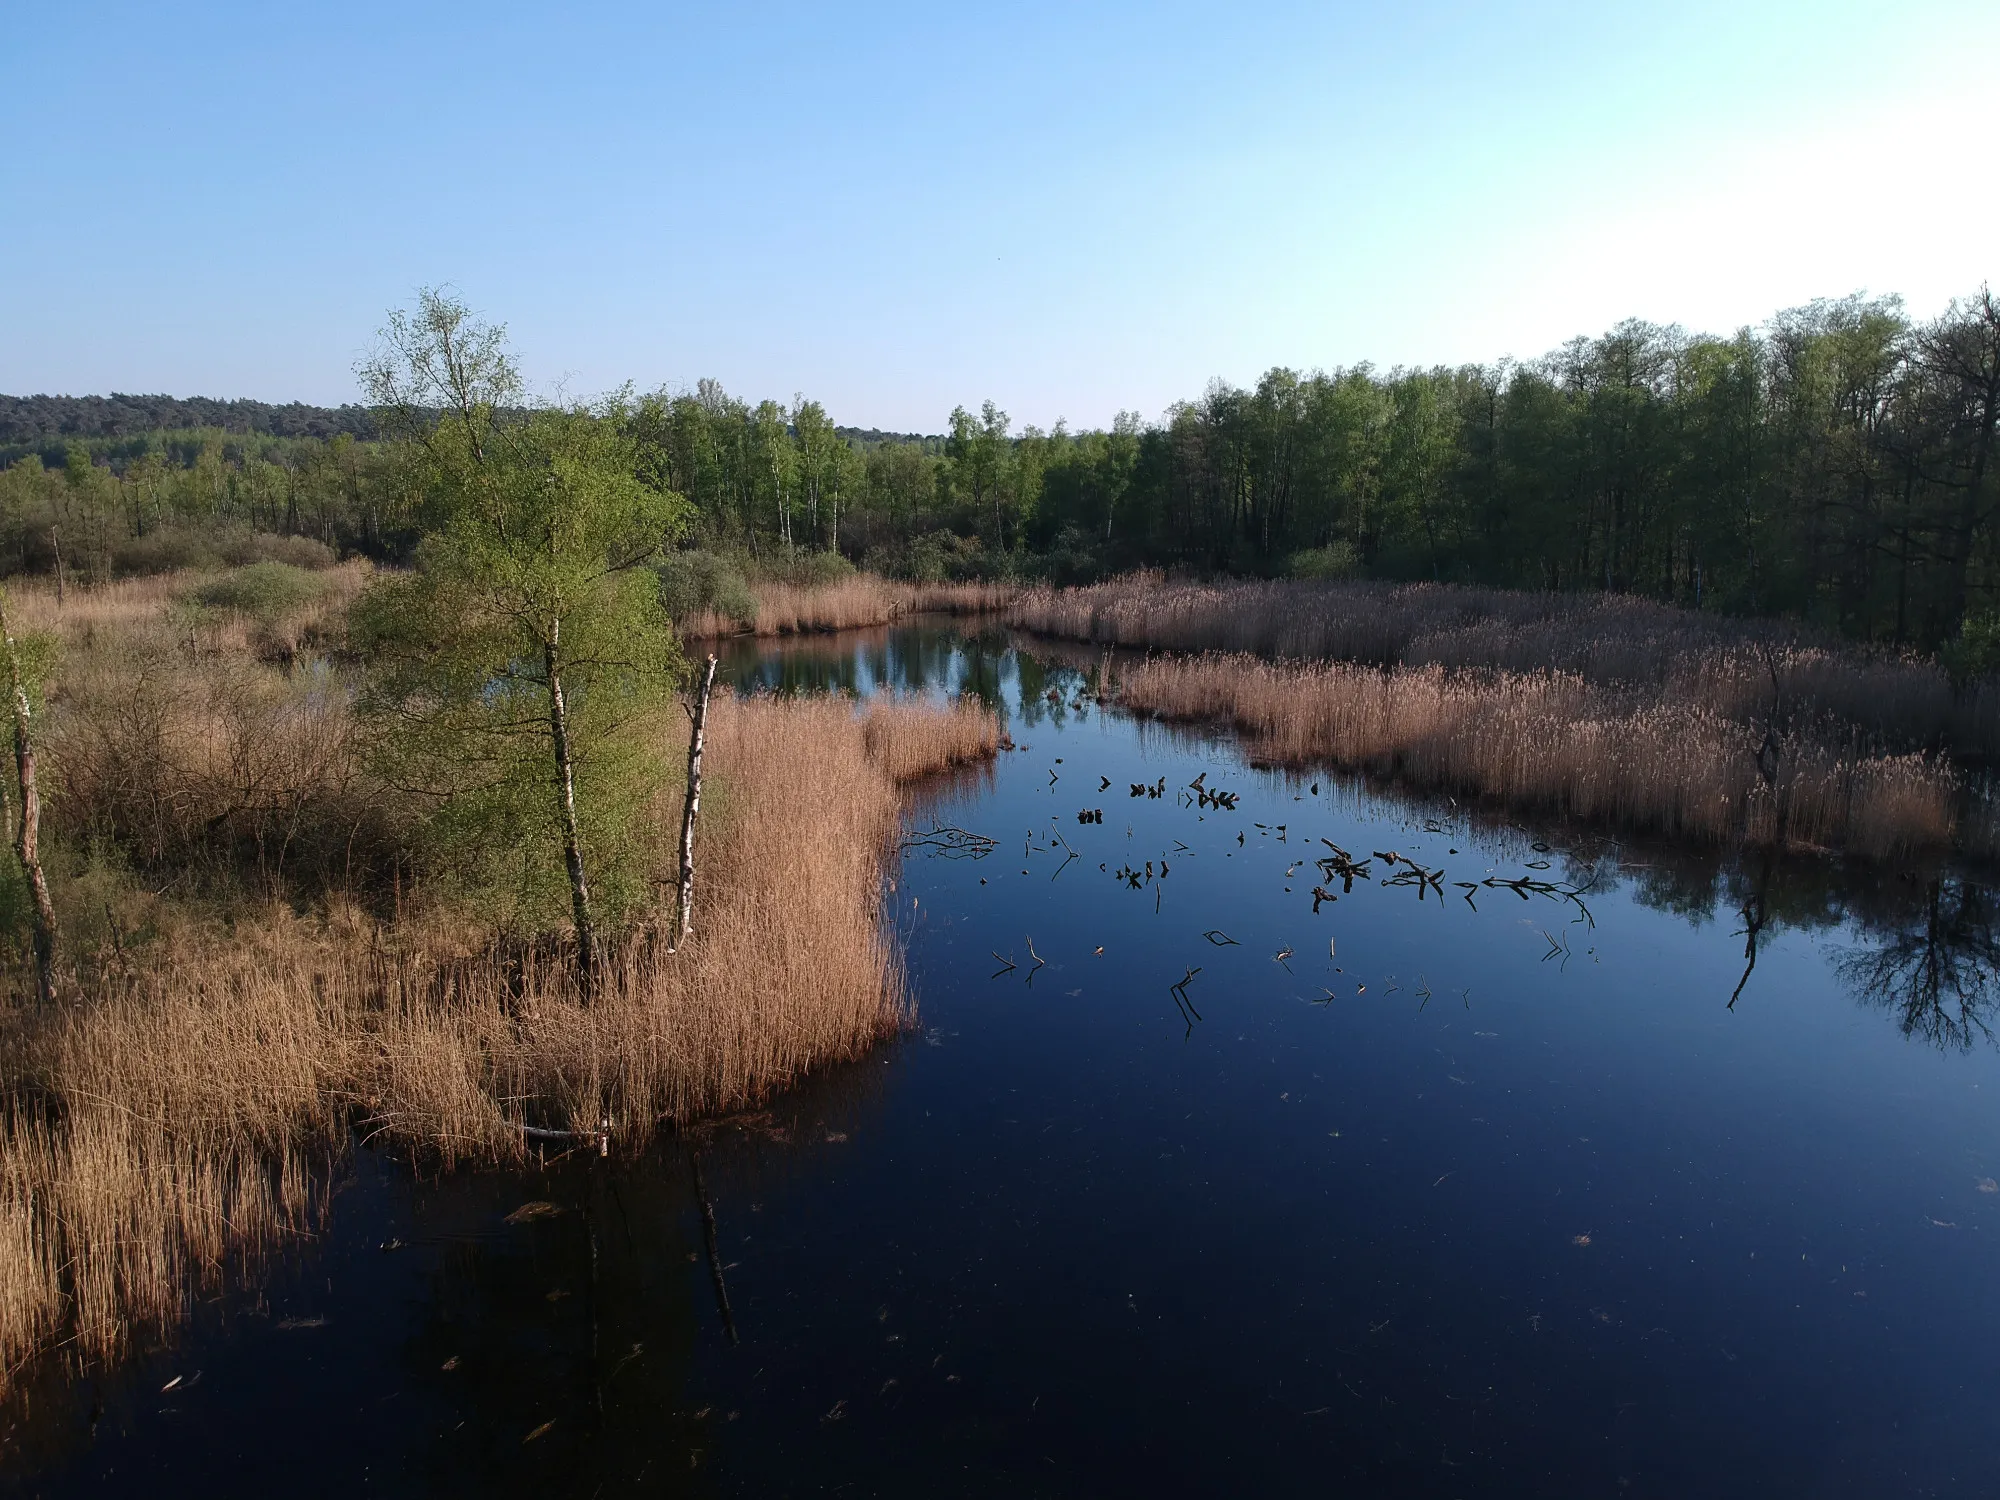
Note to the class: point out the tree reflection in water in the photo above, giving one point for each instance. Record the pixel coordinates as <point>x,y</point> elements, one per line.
<point>1937,972</point>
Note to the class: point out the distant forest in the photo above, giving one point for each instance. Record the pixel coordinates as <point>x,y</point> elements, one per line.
<point>46,425</point>
<point>1835,465</point>
<point>31,422</point>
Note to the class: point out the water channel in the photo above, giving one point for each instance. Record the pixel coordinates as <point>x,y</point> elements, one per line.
<point>1227,1155</point>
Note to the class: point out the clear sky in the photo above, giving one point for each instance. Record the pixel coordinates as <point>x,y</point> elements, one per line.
<point>1069,208</point>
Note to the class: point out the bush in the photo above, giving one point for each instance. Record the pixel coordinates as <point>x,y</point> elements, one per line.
<point>806,570</point>
<point>168,549</point>
<point>1976,652</point>
<point>1335,561</point>
<point>265,591</point>
<point>929,559</point>
<point>267,546</point>
<point>693,583</point>
<point>945,557</point>
<point>1071,559</point>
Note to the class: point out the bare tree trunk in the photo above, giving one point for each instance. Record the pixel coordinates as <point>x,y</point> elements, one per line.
<point>579,888</point>
<point>55,544</point>
<point>27,834</point>
<point>684,903</point>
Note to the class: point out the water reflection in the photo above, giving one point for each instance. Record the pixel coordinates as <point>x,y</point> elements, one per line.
<point>1929,948</point>
<point>1187,1184</point>
<point>1937,971</point>
<point>1049,684</point>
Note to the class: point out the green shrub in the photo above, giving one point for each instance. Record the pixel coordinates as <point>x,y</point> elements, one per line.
<point>1334,561</point>
<point>268,546</point>
<point>691,582</point>
<point>265,591</point>
<point>808,570</point>
<point>1071,559</point>
<point>166,549</point>
<point>928,559</point>
<point>1976,652</point>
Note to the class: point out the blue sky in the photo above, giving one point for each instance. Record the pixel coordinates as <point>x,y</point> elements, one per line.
<point>1071,209</point>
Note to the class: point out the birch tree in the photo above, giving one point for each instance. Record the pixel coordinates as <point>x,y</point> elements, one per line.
<point>516,670</point>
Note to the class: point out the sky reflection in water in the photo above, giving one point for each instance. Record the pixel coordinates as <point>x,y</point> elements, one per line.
<point>1430,1186</point>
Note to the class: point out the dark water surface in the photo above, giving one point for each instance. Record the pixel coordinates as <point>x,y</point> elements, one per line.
<point>1409,1195</point>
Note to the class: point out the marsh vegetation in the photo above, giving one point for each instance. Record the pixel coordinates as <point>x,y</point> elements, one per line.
<point>257,960</point>
<point>339,855</point>
<point>360,753</point>
<point>1616,711</point>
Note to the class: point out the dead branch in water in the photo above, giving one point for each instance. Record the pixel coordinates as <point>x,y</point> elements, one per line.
<point>952,843</point>
<point>708,1238</point>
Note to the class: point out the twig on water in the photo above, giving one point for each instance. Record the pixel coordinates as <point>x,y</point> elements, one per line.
<point>1068,853</point>
<point>1179,991</point>
<point>951,843</point>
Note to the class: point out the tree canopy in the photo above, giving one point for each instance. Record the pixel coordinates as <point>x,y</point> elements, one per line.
<point>523,660</point>
<point>1835,464</point>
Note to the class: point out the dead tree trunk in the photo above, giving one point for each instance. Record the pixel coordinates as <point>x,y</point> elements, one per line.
<point>684,901</point>
<point>579,888</point>
<point>27,833</point>
<point>708,1239</point>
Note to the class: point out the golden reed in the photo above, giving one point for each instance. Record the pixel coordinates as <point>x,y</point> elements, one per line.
<point>851,603</point>
<point>179,1114</point>
<point>1603,708</point>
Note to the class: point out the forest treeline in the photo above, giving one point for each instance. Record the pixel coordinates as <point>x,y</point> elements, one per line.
<point>1836,465</point>
<point>32,423</point>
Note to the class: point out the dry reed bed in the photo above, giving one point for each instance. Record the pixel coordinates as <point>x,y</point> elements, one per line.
<point>173,1123</point>
<point>87,615</point>
<point>850,604</point>
<point>1553,742</point>
<point>1740,668</point>
<point>1607,708</point>
<point>203,742</point>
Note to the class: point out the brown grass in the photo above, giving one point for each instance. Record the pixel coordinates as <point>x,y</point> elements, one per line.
<point>913,737</point>
<point>790,609</point>
<point>89,616</point>
<point>176,1119</point>
<point>1604,708</point>
<point>1552,742</point>
<point>1604,639</point>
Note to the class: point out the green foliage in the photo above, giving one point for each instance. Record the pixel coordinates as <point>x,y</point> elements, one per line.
<point>1976,652</point>
<point>1335,560</point>
<point>806,569</point>
<point>531,622</point>
<point>1072,557</point>
<point>930,558</point>
<point>17,908</point>
<point>40,653</point>
<point>696,581</point>
<point>1841,464</point>
<point>265,591</point>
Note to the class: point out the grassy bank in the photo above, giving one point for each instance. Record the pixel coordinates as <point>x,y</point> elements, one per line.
<point>1605,708</point>
<point>255,966</point>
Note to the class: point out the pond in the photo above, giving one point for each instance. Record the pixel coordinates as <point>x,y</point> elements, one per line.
<point>1257,1133</point>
